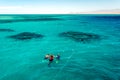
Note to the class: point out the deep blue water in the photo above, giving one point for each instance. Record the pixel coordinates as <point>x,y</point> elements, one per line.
<point>95,60</point>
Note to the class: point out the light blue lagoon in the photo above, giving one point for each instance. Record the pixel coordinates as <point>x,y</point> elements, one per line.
<point>89,46</point>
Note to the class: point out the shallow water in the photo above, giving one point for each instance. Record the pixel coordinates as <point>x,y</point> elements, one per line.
<point>96,60</point>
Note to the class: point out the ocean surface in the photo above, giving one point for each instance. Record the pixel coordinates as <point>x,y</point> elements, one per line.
<point>23,59</point>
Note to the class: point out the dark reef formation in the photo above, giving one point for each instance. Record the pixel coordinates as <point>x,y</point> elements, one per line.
<point>6,30</point>
<point>109,17</point>
<point>26,36</point>
<point>28,19</point>
<point>80,36</point>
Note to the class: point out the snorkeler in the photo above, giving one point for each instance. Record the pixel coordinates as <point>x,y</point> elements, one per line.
<point>57,58</point>
<point>47,56</point>
<point>51,58</point>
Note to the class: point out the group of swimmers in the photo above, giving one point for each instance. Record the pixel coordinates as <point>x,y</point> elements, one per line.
<point>51,58</point>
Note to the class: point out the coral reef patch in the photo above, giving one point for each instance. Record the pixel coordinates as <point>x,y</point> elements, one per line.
<point>80,36</point>
<point>26,36</point>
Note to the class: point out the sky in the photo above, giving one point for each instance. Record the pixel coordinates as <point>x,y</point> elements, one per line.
<point>55,6</point>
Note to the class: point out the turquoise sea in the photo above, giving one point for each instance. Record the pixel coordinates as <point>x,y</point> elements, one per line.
<point>85,59</point>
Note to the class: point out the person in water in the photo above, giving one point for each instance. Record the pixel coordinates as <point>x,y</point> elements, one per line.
<point>51,58</point>
<point>47,56</point>
<point>57,58</point>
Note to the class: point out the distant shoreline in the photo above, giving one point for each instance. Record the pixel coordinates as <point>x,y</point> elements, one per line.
<point>112,11</point>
